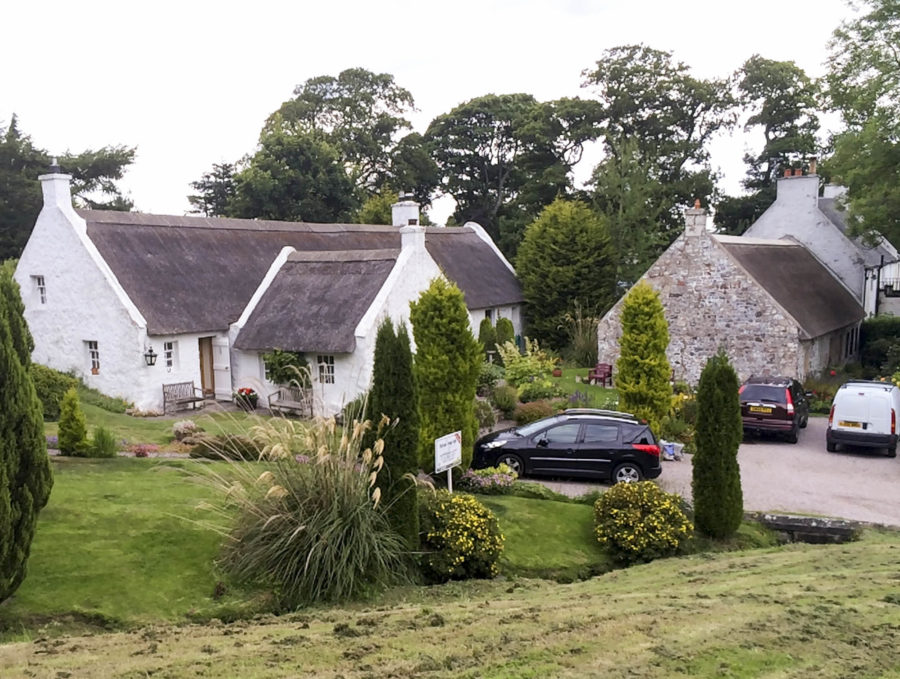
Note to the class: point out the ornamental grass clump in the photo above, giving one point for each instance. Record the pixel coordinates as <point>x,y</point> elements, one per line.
<point>639,522</point>
<point>461,537</point>
<point>314,530</point>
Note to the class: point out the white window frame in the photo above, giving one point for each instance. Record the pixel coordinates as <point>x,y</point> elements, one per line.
<point>93,350</point>
<point>170,354</point>
<point>326,368</point>
<point>40,287</point>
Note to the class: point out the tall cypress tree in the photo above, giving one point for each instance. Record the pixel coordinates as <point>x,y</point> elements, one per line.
<point>25,476</point>
<point>394,394</point>
<point>643,373</point>
<point>716,484</point>
<point>448,360</point>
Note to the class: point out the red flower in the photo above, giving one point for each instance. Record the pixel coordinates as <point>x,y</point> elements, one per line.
<point>833,373</point>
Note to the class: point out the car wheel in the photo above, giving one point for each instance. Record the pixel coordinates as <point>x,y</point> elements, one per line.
<point>804,422</point>
<point>514,462</point>
<point>892,451</point>
<point>830,446</point>
<point>627,472</point>
<point>794,435</point>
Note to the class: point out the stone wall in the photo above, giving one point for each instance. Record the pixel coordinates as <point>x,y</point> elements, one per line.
<point>710,301</point>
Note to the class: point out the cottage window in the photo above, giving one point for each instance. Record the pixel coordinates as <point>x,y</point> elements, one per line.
<point>489,314</point>
<point>326,369</point>
<point>40,288</point>
<point>93,351</point>
<point>170,353</point>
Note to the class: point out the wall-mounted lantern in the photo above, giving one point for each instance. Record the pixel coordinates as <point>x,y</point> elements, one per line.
<point>150,356</point>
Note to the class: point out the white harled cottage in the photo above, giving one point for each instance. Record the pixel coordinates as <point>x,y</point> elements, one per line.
<point>206,297</point>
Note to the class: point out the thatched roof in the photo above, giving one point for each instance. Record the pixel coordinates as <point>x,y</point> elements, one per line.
<point>316,301</point>
<point>799,282</point>
<point>196,274</point>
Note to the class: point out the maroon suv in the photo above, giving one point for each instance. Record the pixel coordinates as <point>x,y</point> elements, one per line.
<point>774,405</point>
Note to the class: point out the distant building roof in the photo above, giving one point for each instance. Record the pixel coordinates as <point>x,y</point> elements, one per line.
<point>196,274</point>
<point>799,282</point>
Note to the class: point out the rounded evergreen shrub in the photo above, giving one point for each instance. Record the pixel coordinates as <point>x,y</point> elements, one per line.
<point>488,376</point>
<point>51,385</point>
<point>530,412</point>
<point>639,522</point>
<point>104,444</point>
<point>461,537</point>
<point>538,389</point>
<point>505,399</point>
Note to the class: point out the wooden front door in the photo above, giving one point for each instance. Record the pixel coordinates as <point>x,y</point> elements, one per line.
<point>207,376</point>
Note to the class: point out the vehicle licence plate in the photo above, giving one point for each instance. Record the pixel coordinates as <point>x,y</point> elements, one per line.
<point>760,409</point>
<point>845,423</point>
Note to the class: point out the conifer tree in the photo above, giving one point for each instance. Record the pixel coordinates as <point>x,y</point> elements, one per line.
<point>393,394</point>
<point>505,333</point>
<point>72,425</point>
<point>716,483</point>
<point>25,476</point>
<point>487,335</point>
<point>448,360</point>
<point>643,373</point>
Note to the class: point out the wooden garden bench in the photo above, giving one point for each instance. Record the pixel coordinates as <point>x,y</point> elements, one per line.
<point>181,395</point>
<point>291,400</point>
<point>601,374</point>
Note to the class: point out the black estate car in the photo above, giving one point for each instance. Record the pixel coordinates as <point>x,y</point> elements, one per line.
<point>580,442</point>
<point>774,404</point>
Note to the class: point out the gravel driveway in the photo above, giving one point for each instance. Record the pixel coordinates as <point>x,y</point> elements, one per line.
<point>799,478</point>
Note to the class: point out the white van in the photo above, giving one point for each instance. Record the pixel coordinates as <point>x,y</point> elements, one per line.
<point>864,413</point>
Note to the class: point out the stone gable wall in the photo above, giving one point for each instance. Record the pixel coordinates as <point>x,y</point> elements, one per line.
<point>710,301</point>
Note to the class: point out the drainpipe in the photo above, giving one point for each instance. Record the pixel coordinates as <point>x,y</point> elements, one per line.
<point>878,284</point>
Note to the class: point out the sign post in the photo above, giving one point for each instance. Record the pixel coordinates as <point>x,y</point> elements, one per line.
<point>448,454</point>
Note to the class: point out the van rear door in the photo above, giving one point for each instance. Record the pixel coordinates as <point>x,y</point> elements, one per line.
<point>864,409</point>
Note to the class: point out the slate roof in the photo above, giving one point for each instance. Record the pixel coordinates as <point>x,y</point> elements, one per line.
<point>196,274</point>
<point>316,301</point>
<point>799,282</point>
<point>872,254</point>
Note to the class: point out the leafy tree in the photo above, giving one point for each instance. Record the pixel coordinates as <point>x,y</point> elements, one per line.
<point>447,363</point>
<point>413,168</point>
<point>864,85</point>
<point>94,176</point>
<point>294,177</point>
<point>394,394</point>
<point>565,259</point>
<point>634,205</point>
<point>359,114</point>
<point>716,485</point>
<point>504,157</point>
<point>215,191</point>
<point>643,371</point>
<point>72,425</point>
<point>25,476</point>
<point>783,102</point>
<point>378,208</point>
<point>657,122</point>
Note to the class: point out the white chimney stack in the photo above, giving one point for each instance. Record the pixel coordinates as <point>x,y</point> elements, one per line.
<point>56,188</point>
<point>695,220</point>
<point>405,212</point>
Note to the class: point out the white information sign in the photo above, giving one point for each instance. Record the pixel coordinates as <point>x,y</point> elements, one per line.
<point>447,452</point>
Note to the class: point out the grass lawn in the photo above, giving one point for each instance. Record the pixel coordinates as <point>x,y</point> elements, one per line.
<point>596,396</point>
<point>157,430</point>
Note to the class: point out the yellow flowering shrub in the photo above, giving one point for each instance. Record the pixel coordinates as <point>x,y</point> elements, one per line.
<point>640,522</point>
<point>460,537</point>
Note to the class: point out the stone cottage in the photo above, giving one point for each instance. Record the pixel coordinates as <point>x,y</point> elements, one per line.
<point>106,293</point>
<point>771,304</point>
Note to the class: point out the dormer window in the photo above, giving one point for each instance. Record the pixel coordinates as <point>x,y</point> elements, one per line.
<point>40,288</point>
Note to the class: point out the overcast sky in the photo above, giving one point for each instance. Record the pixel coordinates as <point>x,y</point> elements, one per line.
<point>190,83</point>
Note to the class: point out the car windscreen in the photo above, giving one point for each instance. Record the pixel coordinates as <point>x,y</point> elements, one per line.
<point>765,393</point>
<point>529,429</point>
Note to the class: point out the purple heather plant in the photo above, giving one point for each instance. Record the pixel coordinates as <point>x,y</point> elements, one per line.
<point>490,481</point>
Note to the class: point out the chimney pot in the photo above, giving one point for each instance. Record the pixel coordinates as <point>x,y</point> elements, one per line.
<point>812,166</point>
<point>798,171</point>
<point>787,172</point>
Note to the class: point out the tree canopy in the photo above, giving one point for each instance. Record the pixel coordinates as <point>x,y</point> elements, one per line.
<point>783,103</point>
<point>863,84</point>
<point>657,121</point>
<point>94,176</point>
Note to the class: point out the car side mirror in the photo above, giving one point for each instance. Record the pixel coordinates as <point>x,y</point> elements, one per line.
<point>542,442</point>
